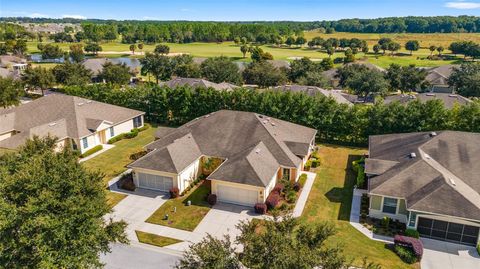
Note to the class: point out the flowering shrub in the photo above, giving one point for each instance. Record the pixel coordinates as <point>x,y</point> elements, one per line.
<point>174,192</point>
<point>278,188</point>
<point>260,208</point>
<point>410,242</point>
<point>272,200</point>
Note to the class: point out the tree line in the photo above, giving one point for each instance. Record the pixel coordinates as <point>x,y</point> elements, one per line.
<point>335,122</point>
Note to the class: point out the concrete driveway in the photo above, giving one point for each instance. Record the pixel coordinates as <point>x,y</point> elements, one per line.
<point>444,255</point>
<point>139,256</point>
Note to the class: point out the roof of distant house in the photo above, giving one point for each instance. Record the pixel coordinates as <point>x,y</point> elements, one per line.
<point>251,144</point>
<point>435,172</point>
<point>439,75</point>
<point>448,99</point>
<point>59,115</point>
<point>313,90</point>
<point>198,83</point>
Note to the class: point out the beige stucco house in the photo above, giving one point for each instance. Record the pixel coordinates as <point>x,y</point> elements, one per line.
<point>76,122</point>
<point>255,151</point>
<point>428,180</point>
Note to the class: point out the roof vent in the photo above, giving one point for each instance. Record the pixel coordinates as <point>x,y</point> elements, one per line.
<point>89,101</point>
<point>260,116</point>
<point>413,155</point>
<point>430,94</point>
<point>272,123</point>
<point>208,115</point>
<point>257,150</point>
<point>432,134</point>
<point>80,104</point>
<point>265,121</point>
<point>52,124</point>
<point>452,181</point>
<point>452,95</point>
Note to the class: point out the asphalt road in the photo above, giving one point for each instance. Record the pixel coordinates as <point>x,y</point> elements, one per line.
<point>139,256</point>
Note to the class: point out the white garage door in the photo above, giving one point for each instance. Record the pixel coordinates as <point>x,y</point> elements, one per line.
<point>155,182</point>
<point>236,195</point>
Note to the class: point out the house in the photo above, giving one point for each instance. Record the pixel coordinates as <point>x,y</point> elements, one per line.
<point>77,122</point>
<point>198,83</point>
<point>332,74</point>
<point>95,65</point>
<point>255,151</point>
<point>312,91</point>
<point>449,100</point>
<point>437,77</point>
<point>428,180</point>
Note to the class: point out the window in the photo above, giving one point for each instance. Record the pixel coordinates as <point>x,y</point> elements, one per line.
<point>112,133</point>
<point>85,142</point>
<point>389,205</point>
<point>413,219</point>
<point>286,173</point>
<point>137,122</point>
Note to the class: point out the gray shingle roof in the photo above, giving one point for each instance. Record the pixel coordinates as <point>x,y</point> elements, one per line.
<point>439,75</point>
<point>443,178</point>
<point>313,90</point>
<point>77,114</point>
<point>199,83</point>
<point>448,99</point>
<point>230,135</point>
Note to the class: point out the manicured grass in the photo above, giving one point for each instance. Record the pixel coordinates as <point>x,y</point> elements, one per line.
<point>156,240</point>
<point>186,217</point>
<point>113,161</point>
<point>330,200</point>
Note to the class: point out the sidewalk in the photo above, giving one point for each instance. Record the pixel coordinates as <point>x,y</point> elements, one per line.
<point>355,218</point>
<point>302,200</point>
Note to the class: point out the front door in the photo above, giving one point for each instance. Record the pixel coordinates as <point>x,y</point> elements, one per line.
<point>103,137</point>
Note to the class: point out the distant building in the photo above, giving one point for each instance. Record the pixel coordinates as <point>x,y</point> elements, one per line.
<point>448,99</point>
<point>312,91</point>
<point>198,83</point>
<point>437,77</point>
<point>95,65</point>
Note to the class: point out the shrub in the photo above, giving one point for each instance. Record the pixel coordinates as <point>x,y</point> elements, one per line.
<point>308,164</point>
<point>133,133</point>
<point>478,249</point>
<point>212,199</point>
<point>412,233</point>
<point>144,127</point>
<point>410,242</point>
<point>278,188</point>
<point>296,186</point>
<point>137,155</point>
<point>260,208</point>
<point>174,192</point>
<point>406,254</point>
<point>358,166</point>
<point>386,222</point>
<point>126,182</point>
<point>272,200</point>
<point>315,163</point>
<point>291,196</point>
<point>91,151</point>
<point>116,138</point>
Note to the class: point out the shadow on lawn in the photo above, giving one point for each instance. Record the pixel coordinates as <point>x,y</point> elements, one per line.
<point>199,196</point>
<point>343,195</point>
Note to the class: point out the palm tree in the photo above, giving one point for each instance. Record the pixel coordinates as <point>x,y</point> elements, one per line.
<point>432,48</point>
<point>440,50</point>
<point>140,46</point>
<point>132,48</point>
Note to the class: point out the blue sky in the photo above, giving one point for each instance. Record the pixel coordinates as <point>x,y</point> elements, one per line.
<point>238,10</point>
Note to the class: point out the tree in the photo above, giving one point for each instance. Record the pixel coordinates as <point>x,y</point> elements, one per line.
<point>412,45</point>
<point>299,68</point>
<point>162,49</point>
<point>440,50</point>
<point>330,51</point>
<point>258,55</point>
<point>52,210</point>
<point>405,78</point>
<point>264,74</point>
<point>72,74</point>
<point>221,69</point>
<point>393,47</point>
<point>236,40</point>
<point>376,48</point>
<point>10,92</point>
<point>184,66</point>
<point>132,48</point>
<point>290,41</point>
<point>349,56</point>
<point>300,41</point>
<point>362,80</point>
<point>312,78</point>
<point>93,48</point>
<point>117,74</point>
<point>140,47</point>
<point>276,244</point>
<point>384,43</point>
<point>76,53</point>
<point>50,51</point>
<point>244,50</point>
<point>432,48</point>
<point>38,77</point>
<point>157,65</point>
<point>466,79</point>
<point>20,47</point>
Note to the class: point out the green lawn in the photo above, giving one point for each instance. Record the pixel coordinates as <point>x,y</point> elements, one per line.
<point>156,240</point>
<point>330,200</point>
<point>186,217</point>
<point>113,161</point>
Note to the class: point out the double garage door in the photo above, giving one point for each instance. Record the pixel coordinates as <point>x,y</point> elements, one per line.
<point>155,182</point>
<point>238,196</point>
<point>448,231</point>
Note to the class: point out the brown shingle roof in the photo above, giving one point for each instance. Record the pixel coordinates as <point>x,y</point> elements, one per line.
<point>313,90</point>
<point>199,83</point>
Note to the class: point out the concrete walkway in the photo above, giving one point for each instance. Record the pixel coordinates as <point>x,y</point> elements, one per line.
<point>105,148</point>
<point>302,200</point>
<point>445,255</point>
<point>355,218</point>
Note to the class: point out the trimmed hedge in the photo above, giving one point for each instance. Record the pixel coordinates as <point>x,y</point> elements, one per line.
<point>272,200</point>
<point>413,243</point>
<point>137,155</point>
<point>174,192</point>
<point>260,208</point>
<point>133,133</point>
<point>212,199</point>
<point>406,254</point>
<point>412,233</point>
<point>91,151</point>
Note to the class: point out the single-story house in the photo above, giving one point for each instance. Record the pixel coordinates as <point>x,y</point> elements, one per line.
<point>448,99</point>
<point>428,180</point>
<point>313,90</point>
<point>77,122</point>
<point>198,83</point>
<point>95,65</point>
<point>437,77</point>
<point>255,151</point>
<point>332,74</point>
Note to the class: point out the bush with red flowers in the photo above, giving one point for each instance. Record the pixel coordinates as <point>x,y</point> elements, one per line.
<point>260,208</point>
<point>272,200</point>
<point>278,188</point>
<point>413,243</point>
<point>174,192</point>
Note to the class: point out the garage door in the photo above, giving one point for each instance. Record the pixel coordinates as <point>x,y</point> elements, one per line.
<point>155,182</point>
<point>448,231</point>
<point>236,195</point>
